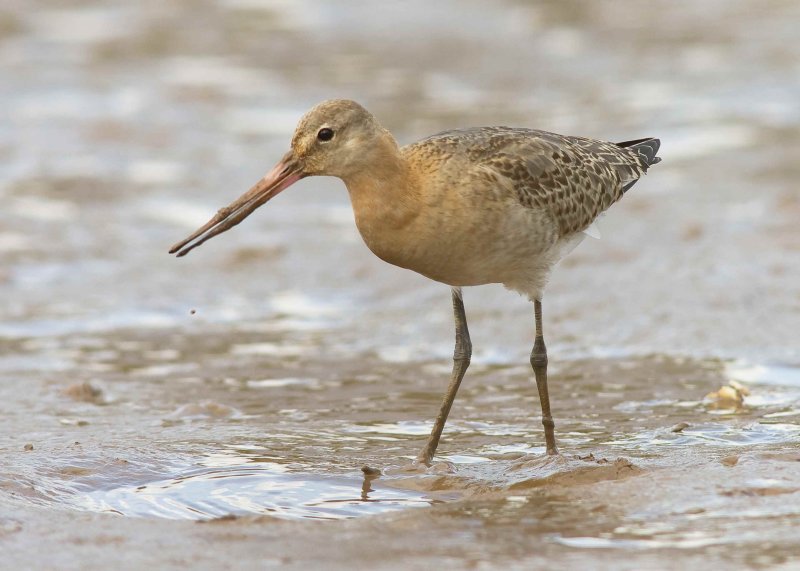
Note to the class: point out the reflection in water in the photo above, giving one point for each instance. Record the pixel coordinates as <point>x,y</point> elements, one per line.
<point>249,489</point>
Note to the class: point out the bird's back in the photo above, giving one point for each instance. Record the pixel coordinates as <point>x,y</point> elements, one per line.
<point>571,179</point>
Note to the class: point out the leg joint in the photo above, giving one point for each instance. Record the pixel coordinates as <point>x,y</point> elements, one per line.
<point>538,360</point>
<point>539,354</point>
<point>463,350</point>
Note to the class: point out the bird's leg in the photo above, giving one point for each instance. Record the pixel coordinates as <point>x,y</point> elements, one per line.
<point>461,357</point>
<point>539,364</point>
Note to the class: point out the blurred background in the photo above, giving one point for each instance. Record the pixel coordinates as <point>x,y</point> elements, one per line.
<point>257,374</point>
<point>125,125</point>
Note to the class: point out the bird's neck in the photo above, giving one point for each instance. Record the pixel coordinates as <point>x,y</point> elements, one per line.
<point>384,193</point>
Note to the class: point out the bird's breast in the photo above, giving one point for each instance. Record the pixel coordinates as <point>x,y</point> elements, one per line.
<point>453,242</point>
<point>406,242</point>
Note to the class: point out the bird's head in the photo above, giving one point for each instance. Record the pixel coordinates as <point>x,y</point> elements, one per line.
<point>338,138</point>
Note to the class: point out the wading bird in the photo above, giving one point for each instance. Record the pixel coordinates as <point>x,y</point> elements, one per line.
<point>464,207</point>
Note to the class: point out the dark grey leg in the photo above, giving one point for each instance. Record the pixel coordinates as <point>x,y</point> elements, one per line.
<point>461,357</point>
<point>539,364</point>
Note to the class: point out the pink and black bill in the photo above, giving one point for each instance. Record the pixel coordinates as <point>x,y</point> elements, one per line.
<point>287,172</point>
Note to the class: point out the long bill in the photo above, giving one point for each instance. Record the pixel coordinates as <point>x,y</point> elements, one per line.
<point>287,172</point>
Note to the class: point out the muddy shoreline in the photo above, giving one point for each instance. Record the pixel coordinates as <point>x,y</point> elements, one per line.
<point>247,384</point>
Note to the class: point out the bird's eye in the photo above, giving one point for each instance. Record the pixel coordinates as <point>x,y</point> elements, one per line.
<point>325,134</point>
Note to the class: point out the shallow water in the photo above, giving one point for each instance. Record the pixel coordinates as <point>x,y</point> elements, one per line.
<point>255,377</point>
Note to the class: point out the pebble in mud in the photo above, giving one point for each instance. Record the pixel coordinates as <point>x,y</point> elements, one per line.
<point>204,409</point>
<point>728,396</point>
<point>369,471</point>
<point>680,427</point>
<point>73,422</point>
<point>85,391</point>
<point>192,311</point>
<point>28,447</point>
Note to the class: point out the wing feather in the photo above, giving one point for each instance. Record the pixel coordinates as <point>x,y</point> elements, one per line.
<point>573,179</point>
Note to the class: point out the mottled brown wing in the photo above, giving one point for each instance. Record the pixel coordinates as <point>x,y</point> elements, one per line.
<point>574,179</point>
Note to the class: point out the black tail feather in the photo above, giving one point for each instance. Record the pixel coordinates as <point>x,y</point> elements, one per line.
<point>647,149</point>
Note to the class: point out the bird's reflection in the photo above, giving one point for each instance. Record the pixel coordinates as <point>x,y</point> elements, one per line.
<point>370,474</point>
